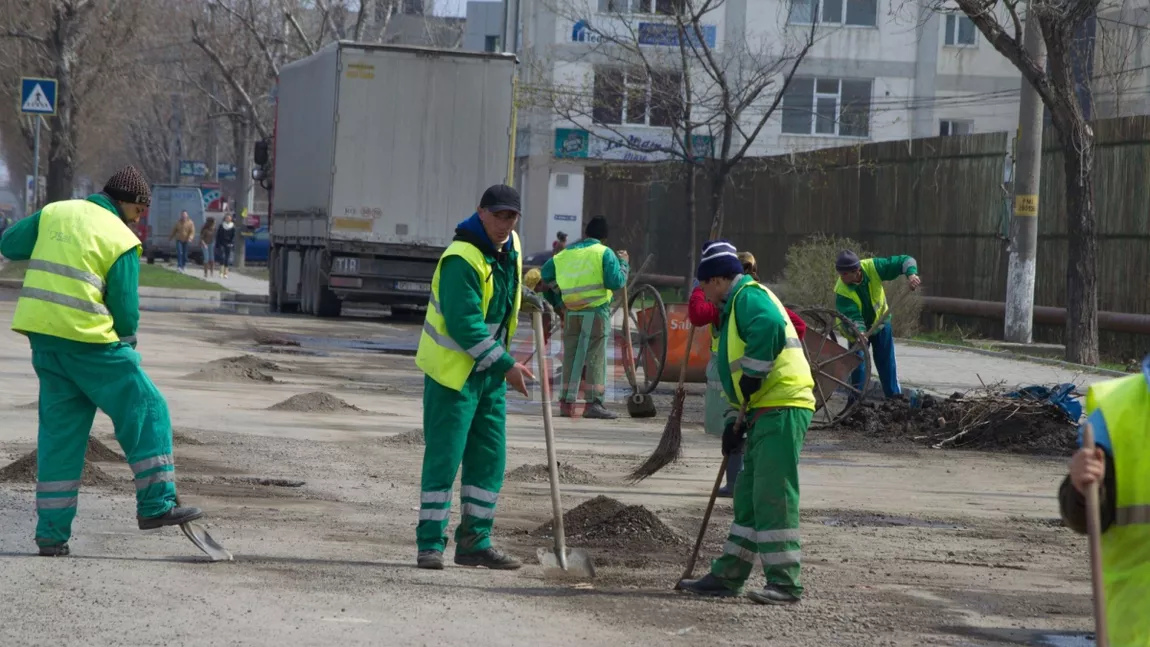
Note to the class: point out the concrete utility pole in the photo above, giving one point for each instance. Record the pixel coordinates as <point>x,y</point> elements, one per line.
<point>1019,326</point>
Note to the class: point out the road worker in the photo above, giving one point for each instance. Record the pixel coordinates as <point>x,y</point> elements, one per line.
<point>472,316</point>
<point>718,411</point>
<point>1119,415</point>
<point>585,273</point>
<point>763,368</point>
<point>859,295</point>
<point>79,307</point>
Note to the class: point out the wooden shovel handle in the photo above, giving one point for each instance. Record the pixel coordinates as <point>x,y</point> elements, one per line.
<point>1094,532</point>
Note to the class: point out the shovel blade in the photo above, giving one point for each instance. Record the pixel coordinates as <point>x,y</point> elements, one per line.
<point>579,563</point>
<point>200,537</point>
<point>640,405</point>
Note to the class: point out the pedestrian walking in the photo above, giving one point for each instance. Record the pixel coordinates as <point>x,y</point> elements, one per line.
<point>585,273</point>
<point>471,318</point>
<point>79,307</point>
<point>225,244</point>
<point>208,246</point>
<point>183,232</point>
<point>1118,412</point>
<point>763,369</point>
<point>860,296</point>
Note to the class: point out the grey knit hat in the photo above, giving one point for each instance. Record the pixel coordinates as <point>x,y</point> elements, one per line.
<point>129,185</point>
<point>847,261</point>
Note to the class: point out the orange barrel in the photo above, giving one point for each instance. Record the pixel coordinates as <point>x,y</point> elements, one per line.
<point>678,328</point>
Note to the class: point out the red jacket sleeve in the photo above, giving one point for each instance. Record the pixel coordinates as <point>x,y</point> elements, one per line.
<point>700,311</point>
<point>800,325</point>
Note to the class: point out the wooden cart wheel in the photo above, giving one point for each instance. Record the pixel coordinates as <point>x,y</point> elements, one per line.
<point>834,347</point>
<point>648,335</point>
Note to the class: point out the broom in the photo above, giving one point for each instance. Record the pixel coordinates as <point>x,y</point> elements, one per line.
<point>670,447</point>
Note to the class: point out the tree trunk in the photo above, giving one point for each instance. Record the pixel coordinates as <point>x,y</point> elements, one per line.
<point>241,134</point>
<point>62,141</point>
<point>692,225</point>
<point>718,180</point>
<point>1082,268</point>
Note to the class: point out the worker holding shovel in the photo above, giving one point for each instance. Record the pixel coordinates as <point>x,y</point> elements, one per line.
<point>1119,419</point>
<point>79,307</point>
<point>859,295</point>
<point>764,371</point>
<point>475,297</point>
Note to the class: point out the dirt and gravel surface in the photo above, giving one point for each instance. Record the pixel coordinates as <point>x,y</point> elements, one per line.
<point>538,473</point>
<point>902,544</point>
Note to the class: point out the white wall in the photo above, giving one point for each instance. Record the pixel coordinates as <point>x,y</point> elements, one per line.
<point>563,204</point>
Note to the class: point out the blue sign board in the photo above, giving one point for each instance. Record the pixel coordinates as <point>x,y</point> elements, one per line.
<point>193,168</point>
<point>37,96</point>
<point>571,142</point>
<point>225,171</point>
<point>664,34</point>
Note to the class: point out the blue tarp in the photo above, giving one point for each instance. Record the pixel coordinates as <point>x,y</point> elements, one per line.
<point>1059,397</point>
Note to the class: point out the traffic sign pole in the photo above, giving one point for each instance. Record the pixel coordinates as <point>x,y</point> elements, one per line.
<point>38,98</point>
<point>36,166</point>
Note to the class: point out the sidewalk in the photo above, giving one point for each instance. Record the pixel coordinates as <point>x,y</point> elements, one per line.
<point>236,282</point>
<point>946,371</point>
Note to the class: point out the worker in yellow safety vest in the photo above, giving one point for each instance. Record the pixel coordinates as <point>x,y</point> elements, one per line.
<point>584,274</point>
<point>1119,415</point>
<point>79,307</point>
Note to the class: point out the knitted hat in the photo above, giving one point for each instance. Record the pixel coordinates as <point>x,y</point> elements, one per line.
<point>129,185</point>
<point>847,261</point>
<point>719,259</point>
<point>597,228</point>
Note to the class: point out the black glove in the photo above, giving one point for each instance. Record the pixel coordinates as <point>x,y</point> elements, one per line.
<point>748,385</point>
<point>733,436</point>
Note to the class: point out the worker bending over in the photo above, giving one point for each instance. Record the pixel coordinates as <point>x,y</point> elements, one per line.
<point>472,316</point>
<point>718,411</point>
<point>1119,414</point>
<point>859,295</point>
<point>79,307</point>
<point>762,367</point>
<point>585,273</point>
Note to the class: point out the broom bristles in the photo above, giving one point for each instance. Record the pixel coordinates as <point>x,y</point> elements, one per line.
<point>670,447</point>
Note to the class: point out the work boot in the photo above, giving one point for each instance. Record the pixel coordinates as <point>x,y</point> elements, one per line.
<point>59,550</point>
<point>492,558</point>
<point>430,559</point>
<point>597,411</point>
<point>773,594</point>
<point>173,517</point>
<point>708,585</point>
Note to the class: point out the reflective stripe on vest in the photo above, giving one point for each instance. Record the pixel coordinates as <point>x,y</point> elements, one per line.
<point>788,380</point>
<point>77,243</point>
<point>874,288</point>
<point>438,355</point>
<point>1125,405</point>
<point>579,273</point>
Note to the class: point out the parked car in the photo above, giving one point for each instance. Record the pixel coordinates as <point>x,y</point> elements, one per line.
<point>256,246</point>
<point>538,258</point>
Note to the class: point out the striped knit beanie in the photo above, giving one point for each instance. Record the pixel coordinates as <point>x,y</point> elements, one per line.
<point>719,259</point>
<point>129,185</point>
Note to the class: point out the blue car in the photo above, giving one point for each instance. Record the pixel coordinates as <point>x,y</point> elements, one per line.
<point>256,246</point>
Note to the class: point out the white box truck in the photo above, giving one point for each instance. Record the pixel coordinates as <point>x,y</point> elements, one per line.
<point>379,152</point>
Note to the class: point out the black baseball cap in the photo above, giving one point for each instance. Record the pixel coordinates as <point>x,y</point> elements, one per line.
<point>500,198</point>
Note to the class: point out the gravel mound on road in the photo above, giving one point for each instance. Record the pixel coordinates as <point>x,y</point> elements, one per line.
<point>242,368</point>
<point>35,404</point>
<point>989,422</point>
<point>98,451</point>
<point>185,438</point>
<point>604,522</point>
<point>407,438</point>
<point>539,474</point>
<point>23,470</point>
<point>314,401</point>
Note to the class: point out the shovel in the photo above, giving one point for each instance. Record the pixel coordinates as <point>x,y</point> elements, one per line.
<point>557,560</point>
<point>200,537</point>
<point>639,405</point>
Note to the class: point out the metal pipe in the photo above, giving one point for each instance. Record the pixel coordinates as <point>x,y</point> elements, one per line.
<point>1138,324</point>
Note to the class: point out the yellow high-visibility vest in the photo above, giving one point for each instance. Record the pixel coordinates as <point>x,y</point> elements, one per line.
<point>579,273</point>
<point>438,355</point>
<point>1125,405</point>
<point>788,383</point>
<point>874,288</point>
<point>63,294</point>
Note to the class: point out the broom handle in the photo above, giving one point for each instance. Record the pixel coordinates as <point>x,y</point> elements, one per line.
<point>1094,531</point>
<point>686,358</point>
<point>710,507</point>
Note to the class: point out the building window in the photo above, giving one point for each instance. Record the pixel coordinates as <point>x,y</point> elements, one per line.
<point>665,7</point>
<point>492,44</point>
<point>856,13</point>
<point>632,97</point>
<point>960,31</point>
<point>834,107</point>
<point>948,127</point>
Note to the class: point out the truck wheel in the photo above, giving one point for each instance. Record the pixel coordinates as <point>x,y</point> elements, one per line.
<point>273,278</point>
<point>327,304</point>
<point>306,282</point>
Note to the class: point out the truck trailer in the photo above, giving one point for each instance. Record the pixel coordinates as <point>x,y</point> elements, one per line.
<point>378,152</point>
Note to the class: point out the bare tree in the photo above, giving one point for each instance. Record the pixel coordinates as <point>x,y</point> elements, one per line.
<point>714,98</point>
<point>1061,20</point>
<point>1121,36</point>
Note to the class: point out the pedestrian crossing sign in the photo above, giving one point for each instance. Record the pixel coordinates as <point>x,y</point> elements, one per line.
<point>37,96</point>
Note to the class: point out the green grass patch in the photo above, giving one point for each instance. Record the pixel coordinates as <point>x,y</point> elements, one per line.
<point>151,276</point>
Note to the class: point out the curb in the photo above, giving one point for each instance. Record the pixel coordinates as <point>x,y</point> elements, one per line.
<point>1016,356</point>
<point>239,297</point>
<point>215,296</point>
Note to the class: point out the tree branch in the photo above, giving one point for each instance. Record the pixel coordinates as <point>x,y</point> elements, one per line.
<point>211,53</point>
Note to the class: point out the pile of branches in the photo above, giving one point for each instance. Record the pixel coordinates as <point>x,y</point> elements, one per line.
<point>984,418</point>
